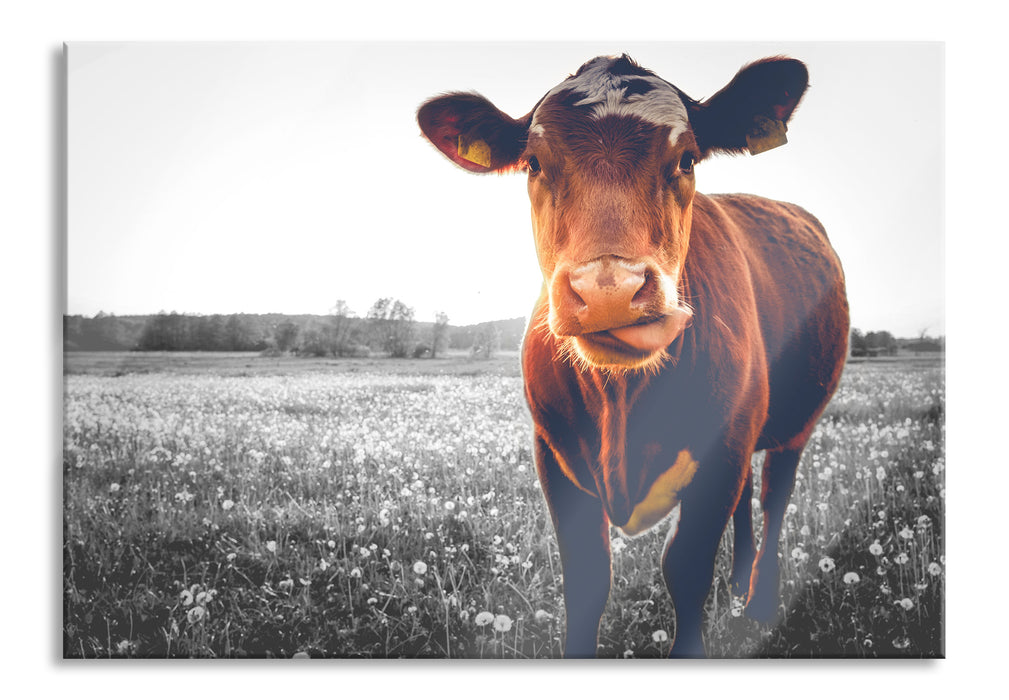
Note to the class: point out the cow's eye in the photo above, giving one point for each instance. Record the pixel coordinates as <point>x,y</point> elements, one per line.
<point>686,163</point>
<point>533,164</point>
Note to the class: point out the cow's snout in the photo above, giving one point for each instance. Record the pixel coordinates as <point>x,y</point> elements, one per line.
<point>606,293</point>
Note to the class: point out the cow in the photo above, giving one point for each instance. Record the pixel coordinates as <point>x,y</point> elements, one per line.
<point>676,334</point>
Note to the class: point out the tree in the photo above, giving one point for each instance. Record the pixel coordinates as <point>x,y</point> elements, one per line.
<point>285,335</point>
<point>391,326</point>
<point>486,341</point>
<point>341,323</point>
<point>439,333</point>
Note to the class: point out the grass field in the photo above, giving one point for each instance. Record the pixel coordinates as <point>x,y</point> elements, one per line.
<point>237,506</point>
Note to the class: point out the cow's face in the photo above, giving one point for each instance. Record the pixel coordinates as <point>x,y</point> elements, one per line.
<point>610,155</point>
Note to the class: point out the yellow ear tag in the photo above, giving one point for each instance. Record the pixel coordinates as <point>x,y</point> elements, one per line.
<point>475,151</point>
<point>766,134</point>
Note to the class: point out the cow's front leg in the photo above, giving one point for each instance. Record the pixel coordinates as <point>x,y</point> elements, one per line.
<point>688,563</point>
<point>583,537</point>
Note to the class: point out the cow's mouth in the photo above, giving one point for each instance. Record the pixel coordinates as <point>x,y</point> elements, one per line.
<point>634,345</point>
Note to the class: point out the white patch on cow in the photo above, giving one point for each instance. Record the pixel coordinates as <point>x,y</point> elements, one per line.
<point>606,94</point>
<point>663,496</point>
<point>537,129</point>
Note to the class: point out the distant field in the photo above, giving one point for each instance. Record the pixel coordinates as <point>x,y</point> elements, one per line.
<point>240,506</point>
<point>252,363</point>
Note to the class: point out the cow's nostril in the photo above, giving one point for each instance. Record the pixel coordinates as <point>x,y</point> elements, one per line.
<point>647,290</point>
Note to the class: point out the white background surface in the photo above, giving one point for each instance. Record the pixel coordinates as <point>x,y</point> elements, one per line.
<point>29,191</point>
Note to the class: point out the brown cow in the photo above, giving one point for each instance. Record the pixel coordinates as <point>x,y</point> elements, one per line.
<point>676,333</point>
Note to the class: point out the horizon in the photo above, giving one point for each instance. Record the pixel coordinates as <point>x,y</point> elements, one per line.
<point>258,177</point>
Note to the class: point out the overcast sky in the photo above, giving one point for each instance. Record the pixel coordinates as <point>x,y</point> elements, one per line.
<point>221,178</point>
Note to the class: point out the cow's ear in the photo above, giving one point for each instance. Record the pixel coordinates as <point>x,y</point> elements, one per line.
<point>752,111</point>
<point>473,133</point>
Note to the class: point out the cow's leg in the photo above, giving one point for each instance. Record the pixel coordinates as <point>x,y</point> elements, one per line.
<point>776,489</point>
<point>744,552</point>
<point>688,563</point>
<point>583,537</point>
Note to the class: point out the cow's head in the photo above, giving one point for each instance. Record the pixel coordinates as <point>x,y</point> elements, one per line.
<point>610,155</point>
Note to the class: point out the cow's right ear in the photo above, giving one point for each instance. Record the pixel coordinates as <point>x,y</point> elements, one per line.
<point>473,133</point>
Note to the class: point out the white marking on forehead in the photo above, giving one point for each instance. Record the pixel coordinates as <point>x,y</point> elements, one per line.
<point>537,129</point>
<point>606,94</point>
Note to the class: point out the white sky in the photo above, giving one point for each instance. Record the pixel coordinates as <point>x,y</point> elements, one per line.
<point>265,177</point>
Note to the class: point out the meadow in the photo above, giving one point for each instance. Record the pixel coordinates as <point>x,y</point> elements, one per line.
<point>235,506</point>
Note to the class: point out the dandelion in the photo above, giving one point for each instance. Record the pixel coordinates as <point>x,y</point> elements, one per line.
<point>227,504</point>
<point>186,597</point>
<point>365,552</point>
<point>628,653</point>
<point>541,616</point>
<point>906,603</point>
<point>196,614</point>
<point>449,506</point>
<point>113,487</point>
<point>271,546</point>
<point>901,643</point>
<point>502,623</point>
<point>736,609</point>
<point>826,565</point>
<point>231,557</point>
<point>484,618</point>
<point>804,531</point>
<point>906,533</point>
<point>355,572</point>
<point>875,548</point>
<point>659,636</point>
<point>851,578</point>
<point>419,568</point>
<point>792,509</point>
<point>934,569</point>
<point>617,546</point>
<point>901,558</point>
<point>372,601</point>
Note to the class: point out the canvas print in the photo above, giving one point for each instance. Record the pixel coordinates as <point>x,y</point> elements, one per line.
<point>504,351</point>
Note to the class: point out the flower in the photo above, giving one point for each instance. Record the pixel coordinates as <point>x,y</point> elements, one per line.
<point>826,565</point>
<point>851,578</point>
<point>901,558</point>
<point>541,616</point>
<point>906,533</point>
<point>906,603</point>
<point>502,623</point>
<point>227,504</point>
<point>195,614</point>
<point>419,568</point>
<point>875,548</point>
<point>271,546</point>
<point>187,597</point>
<point>113,487</point>
<point>934,569</point>
<point>484,618</point>
<point>659,636</point>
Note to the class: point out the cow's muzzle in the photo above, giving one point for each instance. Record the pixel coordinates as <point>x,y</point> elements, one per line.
<point>620,307</point>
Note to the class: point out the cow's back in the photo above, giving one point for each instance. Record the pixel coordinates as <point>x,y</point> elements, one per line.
<point>798,287</point>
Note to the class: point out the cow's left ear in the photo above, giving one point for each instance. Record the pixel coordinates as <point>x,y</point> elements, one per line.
<point>473,133</point>
<point>752,111</point>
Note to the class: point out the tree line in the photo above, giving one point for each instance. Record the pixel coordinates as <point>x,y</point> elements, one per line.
<point>882,343</point>
<point>389,327</point>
